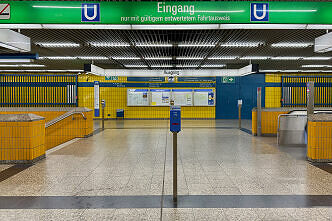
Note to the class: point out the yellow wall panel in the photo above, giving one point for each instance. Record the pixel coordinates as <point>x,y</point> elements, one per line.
<point>116,98</point>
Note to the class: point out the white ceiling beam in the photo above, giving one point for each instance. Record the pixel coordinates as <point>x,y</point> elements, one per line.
<point>157,73</point>
<point>14,41</point>
<point>168,27</point>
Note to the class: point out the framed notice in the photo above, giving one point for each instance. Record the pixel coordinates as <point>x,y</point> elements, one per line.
<point>160,97</point>
<point>204,97</point>
<point>138,97</point>
<point>183,97</point>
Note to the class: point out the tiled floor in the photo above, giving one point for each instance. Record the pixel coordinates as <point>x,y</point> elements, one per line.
<point>214,158</point>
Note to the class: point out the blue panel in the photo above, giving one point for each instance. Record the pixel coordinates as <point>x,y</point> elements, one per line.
<point>227,96</point>
<point>182,90</point>
<point>175,119</point>
<point>160,90</point>
<point>146,79</point>
<point>203,90</point>
<point>245,88</point>
<point>196,79</point>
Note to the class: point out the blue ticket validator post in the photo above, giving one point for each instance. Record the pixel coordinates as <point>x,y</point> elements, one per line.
<point>175,128</point>
<point>175,119</point>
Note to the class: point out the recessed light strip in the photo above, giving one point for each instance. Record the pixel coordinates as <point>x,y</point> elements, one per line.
<point>22,65</point>
<point>291,45</point>
<point>58,45</point>
<point>38,70</point>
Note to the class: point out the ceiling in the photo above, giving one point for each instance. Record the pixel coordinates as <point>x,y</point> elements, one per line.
<point>199,57</point>
<point>175,56</point>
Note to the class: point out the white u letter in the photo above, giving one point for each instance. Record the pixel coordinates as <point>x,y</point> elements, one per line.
<point>255,12</point>
<point>94,12</point>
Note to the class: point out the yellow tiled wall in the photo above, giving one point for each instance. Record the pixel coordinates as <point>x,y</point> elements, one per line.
<point>21,141</point>
<point>319,141</point>
<point>269,121</point>
<point>116,98</point>
<point>254,123</point>
<point>272,97</point>
<point>72,127</point>
<point>273,94</point>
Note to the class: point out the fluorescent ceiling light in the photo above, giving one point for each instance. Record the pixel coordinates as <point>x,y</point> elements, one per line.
<point>15,60</point>
<point>291,45</point>
<point>286,58</point>
<point>154,45</point>
<point>92,58</point>
<point>159,58</point>
<point>38,70</point>
<point>296,71</point>
<point>22,65</point>
<point>241,44</point>
<point>126,58</point>
<point>317,58</point>
<point>316,66</point>
<point>196,45</point>
<point>214,66</point>
<point>135,66</point>
<point>58,45</point>
<point>223,58</point>
<point>254,58</point>
<point>161,66</point>
<point>189,58</point>
<point>96,44</point>
<point>58,58</point>
<point>187,66</point>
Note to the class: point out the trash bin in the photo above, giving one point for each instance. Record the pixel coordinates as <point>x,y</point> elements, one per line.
<point>119,113</point>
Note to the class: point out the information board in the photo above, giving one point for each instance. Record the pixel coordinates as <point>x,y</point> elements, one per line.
<point>160,97</point>
<point>138,97</point>
<point>204,97</point>
<point>183,97</point>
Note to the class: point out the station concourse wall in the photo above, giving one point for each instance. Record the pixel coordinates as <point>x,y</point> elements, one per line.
<point>227,95</point>
<point>116,98</point>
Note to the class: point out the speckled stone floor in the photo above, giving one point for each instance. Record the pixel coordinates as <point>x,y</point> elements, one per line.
<point>128,159</point>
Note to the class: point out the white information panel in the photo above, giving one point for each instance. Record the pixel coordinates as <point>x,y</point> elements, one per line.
<point>138,97</point>
<point>204,97</point>
<point>183,97</point>
<point>160,97</point>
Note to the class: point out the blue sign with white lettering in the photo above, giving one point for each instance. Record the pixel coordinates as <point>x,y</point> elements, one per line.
<point>90,12</point>
<point>175,119</point>
<point>259,12</point>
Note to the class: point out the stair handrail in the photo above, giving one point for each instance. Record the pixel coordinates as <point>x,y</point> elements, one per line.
<point>63,116</point>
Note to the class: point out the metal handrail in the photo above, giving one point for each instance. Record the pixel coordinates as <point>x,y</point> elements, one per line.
<point>64,116</point>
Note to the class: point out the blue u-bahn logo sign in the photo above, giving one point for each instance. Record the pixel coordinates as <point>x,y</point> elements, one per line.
<point>90,12</point>
<point>259,12</point>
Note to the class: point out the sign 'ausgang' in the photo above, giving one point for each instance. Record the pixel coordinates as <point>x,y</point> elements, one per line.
<point>143,12</point>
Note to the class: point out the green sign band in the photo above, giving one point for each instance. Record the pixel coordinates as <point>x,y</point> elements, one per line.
<point>73,12</point>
